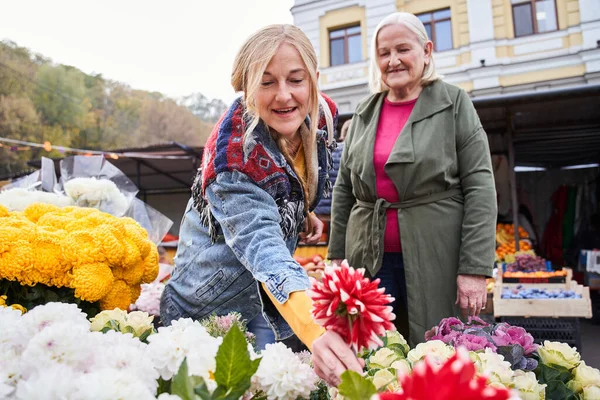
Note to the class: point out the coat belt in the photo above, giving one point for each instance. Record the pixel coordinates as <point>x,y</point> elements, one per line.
<point>378,221</point>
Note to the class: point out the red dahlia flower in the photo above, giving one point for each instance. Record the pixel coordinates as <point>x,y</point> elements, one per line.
<point>454,380</point>
<point>346,302</point>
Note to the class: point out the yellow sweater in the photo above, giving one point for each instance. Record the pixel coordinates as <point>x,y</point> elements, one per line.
<point>296,311</point>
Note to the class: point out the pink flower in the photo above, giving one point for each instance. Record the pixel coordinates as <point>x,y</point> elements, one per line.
<point>346,302</point>
<point>506,335</point>
<point>454,380</point>
<point>447,325</point>
<point>473,342</point>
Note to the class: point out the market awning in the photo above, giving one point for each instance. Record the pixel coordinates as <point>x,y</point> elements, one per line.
<point>550,128</point>
<point>157,169</point>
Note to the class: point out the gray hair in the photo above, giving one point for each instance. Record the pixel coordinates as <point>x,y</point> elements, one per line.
<point>413,23</point>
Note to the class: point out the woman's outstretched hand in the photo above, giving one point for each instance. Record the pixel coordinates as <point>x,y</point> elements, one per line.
<point>331,357</point>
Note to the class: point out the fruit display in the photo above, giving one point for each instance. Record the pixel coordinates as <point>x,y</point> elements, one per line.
<point>313,265</point>
<point>532,293</point>
<point>536,274</point>
<point>506,245</point>
<point>527,263</point>
<point>506,252</point>
<point>505,233</point>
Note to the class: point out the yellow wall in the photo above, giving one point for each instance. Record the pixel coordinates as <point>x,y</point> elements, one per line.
<point>542,75</point>
<point>458,10</point>
<point>341,18</point>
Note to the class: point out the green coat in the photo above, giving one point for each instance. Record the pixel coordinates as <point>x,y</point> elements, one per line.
<point>441,167</point>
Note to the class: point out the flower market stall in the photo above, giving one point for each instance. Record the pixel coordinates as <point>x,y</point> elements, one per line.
<point>80,284</point>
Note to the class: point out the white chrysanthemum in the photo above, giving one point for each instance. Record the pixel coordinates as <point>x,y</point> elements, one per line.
<point>435,350</point>
<point>18,199</point>
<point>111,384</point>
<point>11,335</point>
<point>493,366</point>
<point>5,390</point>
<point>184,338</point>
<point>168,396</point>
<point>61,343</point>
<point>149,300</point>
<point>123,352</point>
<point>56,383</point>
<point>98,193</point>
<point>10,367</point>
<point>49,314</point>
<point>282,375</point>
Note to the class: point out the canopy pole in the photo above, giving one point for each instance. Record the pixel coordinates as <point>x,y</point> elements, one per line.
<point>512,176</point>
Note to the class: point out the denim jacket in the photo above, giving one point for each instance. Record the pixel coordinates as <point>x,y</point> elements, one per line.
<point>219,265</point>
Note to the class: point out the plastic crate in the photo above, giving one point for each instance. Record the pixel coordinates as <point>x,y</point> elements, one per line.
<point>565,330</point>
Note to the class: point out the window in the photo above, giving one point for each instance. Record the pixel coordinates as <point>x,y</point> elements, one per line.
<point>533,16</point>
<point>439,28</point>
<point>345,45</point>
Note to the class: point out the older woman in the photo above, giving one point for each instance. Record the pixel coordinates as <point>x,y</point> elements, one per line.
<point>414,202</point>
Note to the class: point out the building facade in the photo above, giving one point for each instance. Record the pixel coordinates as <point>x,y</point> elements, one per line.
<point>484,46</point>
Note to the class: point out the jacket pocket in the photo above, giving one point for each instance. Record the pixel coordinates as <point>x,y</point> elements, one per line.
<point>207,290</point>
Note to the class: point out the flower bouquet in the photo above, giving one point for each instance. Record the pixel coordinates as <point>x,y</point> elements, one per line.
<point>54,352</point>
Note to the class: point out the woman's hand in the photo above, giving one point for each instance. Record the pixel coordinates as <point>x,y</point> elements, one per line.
<point>314,230</point>
<point>471,294</point>
<point>331,357</point>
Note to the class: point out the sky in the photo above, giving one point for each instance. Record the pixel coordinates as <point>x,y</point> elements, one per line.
<point>175,47</point>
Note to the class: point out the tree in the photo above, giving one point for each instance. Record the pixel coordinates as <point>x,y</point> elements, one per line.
<point>203,108</point>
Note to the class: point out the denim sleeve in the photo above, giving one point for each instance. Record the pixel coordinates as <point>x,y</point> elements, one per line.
<point>250,220</point>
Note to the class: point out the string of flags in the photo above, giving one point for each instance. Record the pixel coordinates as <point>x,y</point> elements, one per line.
<point>21,145</point>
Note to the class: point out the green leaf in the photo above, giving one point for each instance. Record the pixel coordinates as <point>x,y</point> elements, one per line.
<point>114,325</point>
<point>356,387</point>
<point>128,329</point>
<point>547,373</point>
<point>202,390</point>
<point>234,367</point>
<point>163,386</point>
<point>557,390</point>
<point>181,384</point>
<point>145,335</point>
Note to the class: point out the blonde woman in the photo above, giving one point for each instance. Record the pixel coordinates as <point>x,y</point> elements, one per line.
<point>415,202</point>
<point>265,167</point>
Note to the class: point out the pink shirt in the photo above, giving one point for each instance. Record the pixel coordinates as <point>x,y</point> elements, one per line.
<point>392,119</point>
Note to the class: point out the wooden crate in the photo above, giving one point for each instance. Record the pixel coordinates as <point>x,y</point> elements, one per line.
<point>543,307</point>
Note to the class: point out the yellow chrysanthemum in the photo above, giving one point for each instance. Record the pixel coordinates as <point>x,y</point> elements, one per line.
<point>17,261</point>
<point>19,221</point>
<point>92,281</point>
<point>81,247</point>
<point>140,237</point>
<point>151,266</point>
<point>80,212</point>
<point>131,276</point>
<point>47,258</point>
<point>113,249</point>
<point>19,307</point>
<point>132,254</point>
<point>118,297</point>
<point>3,301</point>
<point>33,212</point>
<point>3,211</point>
<point>136,290</point>
<point>8,235</point>
<point>55,220</point>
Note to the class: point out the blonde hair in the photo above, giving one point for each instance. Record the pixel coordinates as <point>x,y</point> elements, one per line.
<point>413,23</point>
<point>255,54</point>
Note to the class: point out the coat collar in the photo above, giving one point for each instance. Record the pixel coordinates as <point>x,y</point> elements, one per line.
<point>433,99</point>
